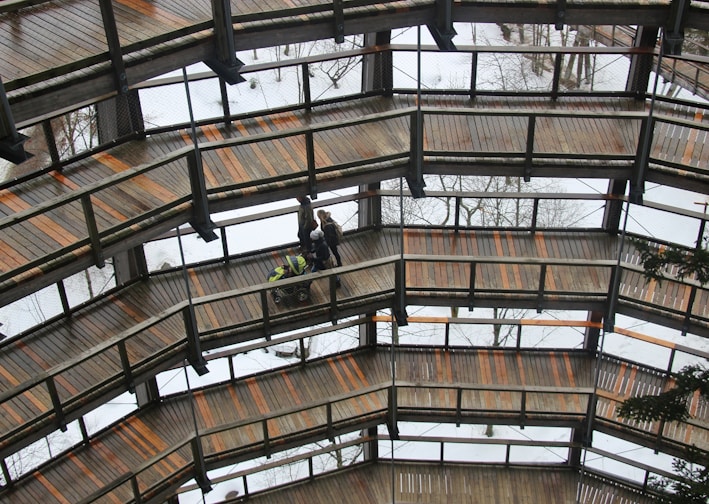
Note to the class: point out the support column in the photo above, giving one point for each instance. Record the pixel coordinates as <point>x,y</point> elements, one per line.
<point>369,211</point>
<point>578,436</point>
<point>673,36</point>
<point>114,47</point>
<point>442,29</point>
<point>642,64</point>
<point>414,178</point>
<point>129,265</point>
<point>370,450</point>
<point>121,115</point>
<point>225,63</point>
<point>368,332</point>
<point>614,207</point>
<point>592,334</point>
<point>11,142</point>
<point>377,68</point>
<point>377,75</point>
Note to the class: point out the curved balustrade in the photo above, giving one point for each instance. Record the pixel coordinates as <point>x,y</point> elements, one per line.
<point>118,197</point>
<point>39,403</point>
<point>594,483</point>
<point>136,204</point>
<point>158,476</point>
<point>146,43</point>
<point>215,440</point>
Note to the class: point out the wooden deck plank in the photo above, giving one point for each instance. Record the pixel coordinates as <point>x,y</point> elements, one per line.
<point>151,432</point>
<point>120,203</point>
<point>124,309</point>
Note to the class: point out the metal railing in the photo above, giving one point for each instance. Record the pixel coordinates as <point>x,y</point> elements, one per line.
<point>179,331</point>
<point>103,229</point>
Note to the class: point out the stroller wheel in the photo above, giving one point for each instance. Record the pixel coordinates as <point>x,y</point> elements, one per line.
<point>303,295</point>
<point>277,298</point>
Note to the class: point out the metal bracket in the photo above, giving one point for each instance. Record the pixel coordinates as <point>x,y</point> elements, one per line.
<point>228,72</point>
<point>673,34</point>
<point>12,149</point>
<point>225,63</point>
<point>442,30</point>
<point>11,142</point>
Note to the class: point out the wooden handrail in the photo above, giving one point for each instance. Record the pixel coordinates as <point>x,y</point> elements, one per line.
<point>177,308</point>
<point>148,464</point>
<point>95,239</point>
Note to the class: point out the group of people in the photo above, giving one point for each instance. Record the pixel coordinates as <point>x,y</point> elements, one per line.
<point>318,240</point>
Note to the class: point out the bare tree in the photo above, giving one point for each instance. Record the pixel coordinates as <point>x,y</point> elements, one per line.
<point>75,131</point>
<point>335,70</point>
<point>575,70</point>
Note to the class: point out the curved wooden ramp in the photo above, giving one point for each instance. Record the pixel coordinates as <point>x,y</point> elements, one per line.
<point>44,72</point>
<point>60,371</point>
<point>62,223</point>
<point>125,337</point>
<point>433,484</point>
<point>155,449</point>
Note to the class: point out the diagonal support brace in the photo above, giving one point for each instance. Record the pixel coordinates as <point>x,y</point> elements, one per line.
<point>442,29</point>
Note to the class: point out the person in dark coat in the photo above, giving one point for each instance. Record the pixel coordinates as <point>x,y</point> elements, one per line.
<point>332,237</point>
<point>320,252</point>
<point>305,223</point>
<point>319,249</point>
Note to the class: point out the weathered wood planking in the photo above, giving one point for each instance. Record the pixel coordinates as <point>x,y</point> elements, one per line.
<point>436,484</point>
<point>59,231</point>
<point>159,428</point>
<point>509,244</point>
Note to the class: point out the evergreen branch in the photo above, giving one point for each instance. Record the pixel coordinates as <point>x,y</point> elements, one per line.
<point>670,405</point>
<point>688,262</point>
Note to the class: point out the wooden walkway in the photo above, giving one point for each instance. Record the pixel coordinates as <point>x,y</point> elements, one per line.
<point>433,484</point>
<point>61,223</point>
<point>46,66</point>
<point>82,354</point>
<point>685,74</point>
<point>68,367</point>
<point>250,417</point>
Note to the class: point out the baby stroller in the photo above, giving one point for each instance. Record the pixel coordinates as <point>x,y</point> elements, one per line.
<point>294,266</point>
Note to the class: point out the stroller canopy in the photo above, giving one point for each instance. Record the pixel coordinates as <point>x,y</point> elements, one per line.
<point>296,264</point>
